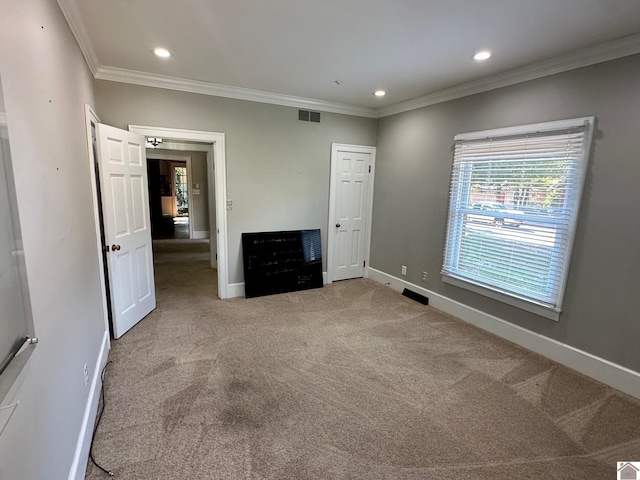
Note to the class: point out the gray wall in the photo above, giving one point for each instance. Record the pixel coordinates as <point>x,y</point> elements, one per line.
<point>277,167</point>
<point>414,159</point>
<point>46,84</point>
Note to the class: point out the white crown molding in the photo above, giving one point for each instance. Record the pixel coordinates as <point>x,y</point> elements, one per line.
<point>74,20</point>
<point>218,90</point>
<point>582,58</point>
<point>622,47</point>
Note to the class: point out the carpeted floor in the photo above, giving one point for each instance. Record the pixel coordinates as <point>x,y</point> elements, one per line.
<point>351,381</point>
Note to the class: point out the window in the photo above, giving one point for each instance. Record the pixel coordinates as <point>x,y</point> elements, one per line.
<point>513,206</point>
<point>182,196</point>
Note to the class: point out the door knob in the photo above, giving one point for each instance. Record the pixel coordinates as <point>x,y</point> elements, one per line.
<point>337,225</point>
<point>115,247</point>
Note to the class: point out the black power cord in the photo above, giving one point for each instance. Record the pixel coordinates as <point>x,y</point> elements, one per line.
<point>93,437</point>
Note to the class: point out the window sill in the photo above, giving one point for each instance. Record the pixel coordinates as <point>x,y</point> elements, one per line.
<point>522,304</point>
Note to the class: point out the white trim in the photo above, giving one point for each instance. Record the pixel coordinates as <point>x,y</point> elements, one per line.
<point>74,20</point>
<point>215,89</point>
<point>609,373</point>
<point>200,234</point>
<point>528,305</point>
<point>533,127</point>
<point>215,233</point>
<point>548,305</point>
<point>622,47</point>
<point>582,58</point>
<point>341,147</point>
<point>236,290</point>
<point>181,146</point>
<point>604,52</point>
<point>216,165</point>
<point>81,455</point>
<point>91,117</point>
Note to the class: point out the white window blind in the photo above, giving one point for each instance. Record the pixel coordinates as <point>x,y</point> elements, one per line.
<point>513,206</point>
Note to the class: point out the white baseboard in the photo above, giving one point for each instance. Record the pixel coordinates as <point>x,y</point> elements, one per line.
<point>79,465</point>
<point>199,234</point>
<point>237,289</point>
<point>609,373</point>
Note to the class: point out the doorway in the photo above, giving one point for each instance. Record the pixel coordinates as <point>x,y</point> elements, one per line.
<point>178,194</point>
<point>214,145</point>
<point>350,210</point>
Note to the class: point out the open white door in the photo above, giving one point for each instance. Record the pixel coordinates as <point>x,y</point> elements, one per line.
<point>127,227</point>
<point>350,201</point>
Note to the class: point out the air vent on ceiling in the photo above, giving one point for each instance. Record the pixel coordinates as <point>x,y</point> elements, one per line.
<point>307,116</point>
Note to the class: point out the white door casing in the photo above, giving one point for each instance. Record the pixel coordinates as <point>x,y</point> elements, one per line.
<point>216,171</point>
<point>350,205</point>
<point>91,121</point>
<point>125,206</point>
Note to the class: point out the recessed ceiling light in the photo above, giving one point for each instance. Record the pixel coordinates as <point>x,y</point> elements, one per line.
<point>162,52</point>
<point>379,93</point>
<point>482,55</point>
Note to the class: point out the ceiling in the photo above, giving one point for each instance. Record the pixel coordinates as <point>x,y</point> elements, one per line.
<point>333,54</point>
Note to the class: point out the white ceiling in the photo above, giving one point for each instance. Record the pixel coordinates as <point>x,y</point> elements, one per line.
<point>300,48</point>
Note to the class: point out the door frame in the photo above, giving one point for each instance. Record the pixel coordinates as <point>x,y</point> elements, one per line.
<point>182,159</point>
<point>331,244</point>
<point>91,118</point>
<point>204,148</point>
<point>216,166</point>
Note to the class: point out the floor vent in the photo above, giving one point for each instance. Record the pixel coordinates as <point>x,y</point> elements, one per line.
<point>308,116</point>
<point>416,296</point>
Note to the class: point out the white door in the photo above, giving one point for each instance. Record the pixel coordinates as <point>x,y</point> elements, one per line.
<point>125,207</point>
<point>349,210</point>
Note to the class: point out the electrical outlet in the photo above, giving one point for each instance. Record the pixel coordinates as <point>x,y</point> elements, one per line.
<point>86,376</point>
<point>404,270</point>
<point>425,277</point>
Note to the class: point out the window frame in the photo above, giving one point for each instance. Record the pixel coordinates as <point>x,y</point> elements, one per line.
<point>454,228</point>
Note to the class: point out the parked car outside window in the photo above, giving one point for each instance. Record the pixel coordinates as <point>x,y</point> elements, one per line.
<point>508,215</point>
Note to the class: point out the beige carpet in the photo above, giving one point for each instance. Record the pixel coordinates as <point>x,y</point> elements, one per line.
<point>351,381</point>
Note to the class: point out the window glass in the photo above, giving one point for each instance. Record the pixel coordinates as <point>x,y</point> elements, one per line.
<point>513,206</point>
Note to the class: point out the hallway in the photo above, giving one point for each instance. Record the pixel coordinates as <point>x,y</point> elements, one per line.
<point>178,230</point>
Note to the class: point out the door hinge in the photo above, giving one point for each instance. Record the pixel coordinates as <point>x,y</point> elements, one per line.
<point>364,263</point>
<point>369,168</point>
